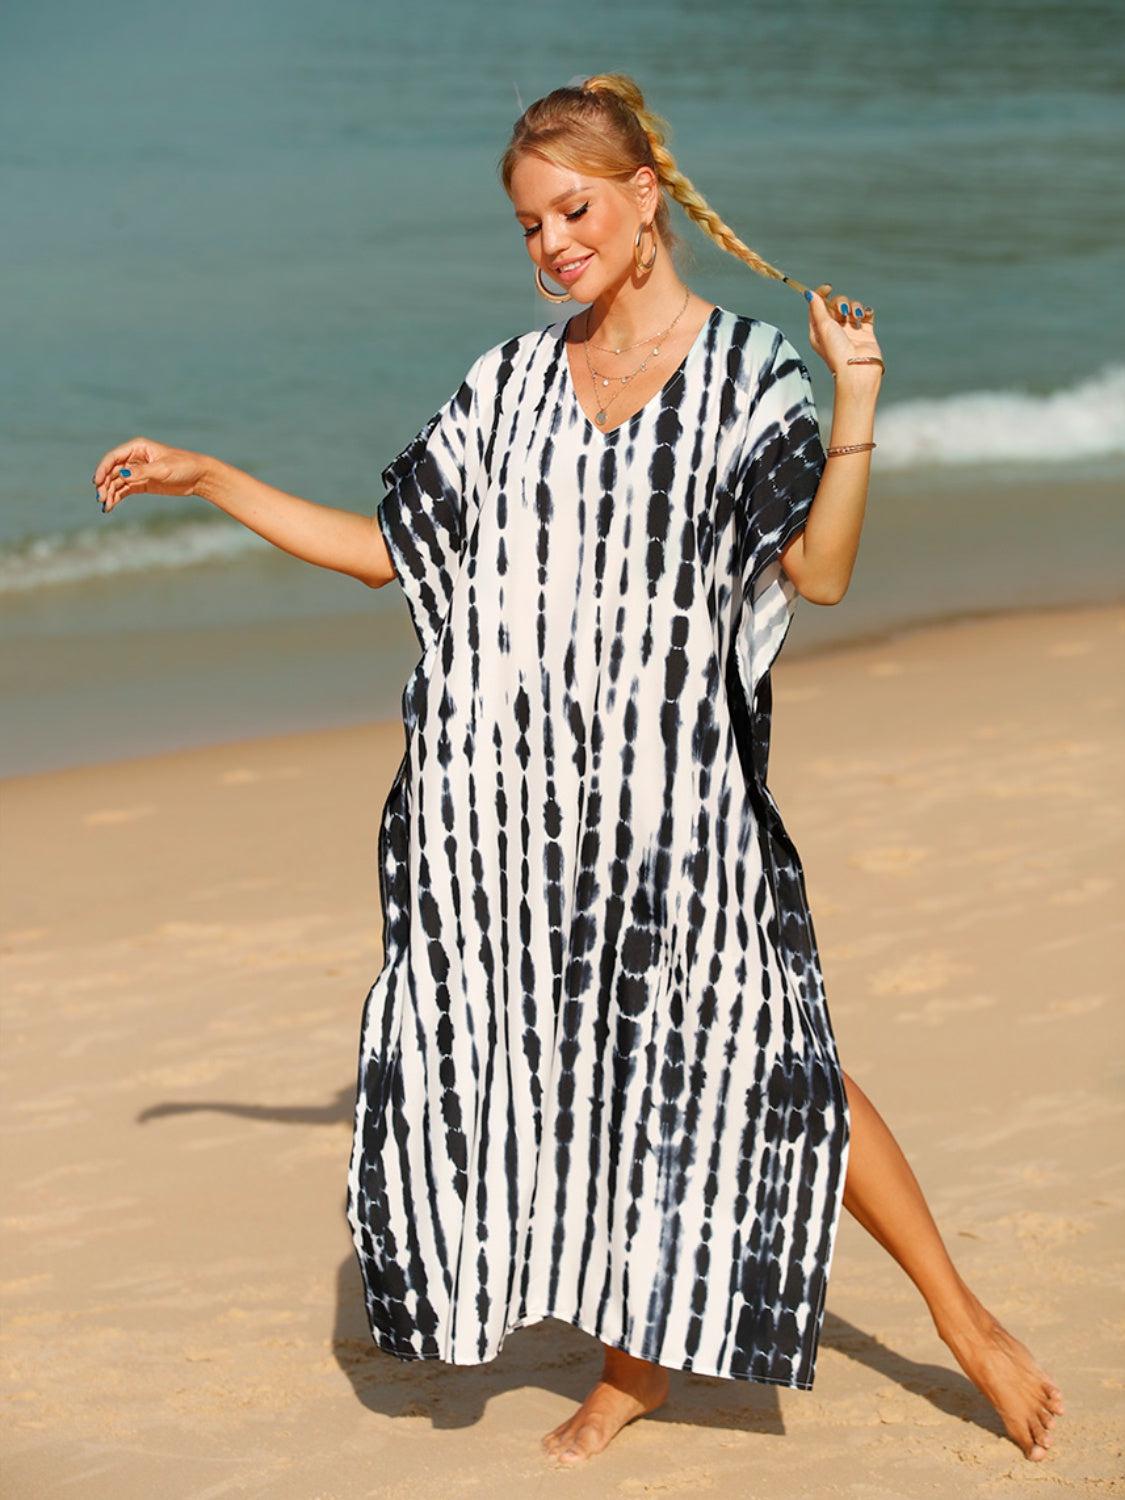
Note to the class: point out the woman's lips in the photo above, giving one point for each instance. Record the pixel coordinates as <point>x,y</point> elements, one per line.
<point>568,276</point>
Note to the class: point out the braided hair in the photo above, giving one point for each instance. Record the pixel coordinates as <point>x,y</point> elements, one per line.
<point>603,126</point>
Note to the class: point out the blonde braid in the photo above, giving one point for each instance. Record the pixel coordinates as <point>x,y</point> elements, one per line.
<point>679,187</point>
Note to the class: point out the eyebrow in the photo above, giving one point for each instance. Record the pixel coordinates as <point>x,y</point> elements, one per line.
<point>523,213</point>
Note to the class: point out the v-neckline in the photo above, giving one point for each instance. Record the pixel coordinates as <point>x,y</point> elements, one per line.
<point>603,432</point>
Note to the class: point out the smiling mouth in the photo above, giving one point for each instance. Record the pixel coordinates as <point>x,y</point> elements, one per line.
<point>571,266</point>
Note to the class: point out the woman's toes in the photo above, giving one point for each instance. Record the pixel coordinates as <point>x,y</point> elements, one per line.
<point>1040,1439</point>
<point>582,1443</point>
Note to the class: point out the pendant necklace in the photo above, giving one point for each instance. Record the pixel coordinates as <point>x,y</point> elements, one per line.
<point>596,376</point>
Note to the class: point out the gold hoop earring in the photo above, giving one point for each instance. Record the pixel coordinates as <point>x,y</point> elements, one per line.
<point>545,291</point>
<point>644,265</point>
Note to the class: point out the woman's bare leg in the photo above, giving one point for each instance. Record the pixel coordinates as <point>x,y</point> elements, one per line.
<point>884,1196</point>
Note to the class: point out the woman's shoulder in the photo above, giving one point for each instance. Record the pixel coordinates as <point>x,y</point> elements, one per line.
<point>525,341</point>
<point>495,363</point>
<point>764,354</point>
<point>761,337</point>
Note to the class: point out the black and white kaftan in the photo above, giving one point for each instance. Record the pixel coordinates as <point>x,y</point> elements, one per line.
<point>598,1080</point>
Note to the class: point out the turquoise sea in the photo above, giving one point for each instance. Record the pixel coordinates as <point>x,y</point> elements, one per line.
<point>275,232</point>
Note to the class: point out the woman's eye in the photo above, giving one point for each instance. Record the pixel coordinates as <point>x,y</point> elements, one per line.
<point>577,214</point>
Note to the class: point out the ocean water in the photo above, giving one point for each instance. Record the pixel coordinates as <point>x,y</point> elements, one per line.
<point>275,232</point>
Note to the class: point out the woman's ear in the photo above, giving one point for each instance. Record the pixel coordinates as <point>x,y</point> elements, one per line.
<point>646,191</point>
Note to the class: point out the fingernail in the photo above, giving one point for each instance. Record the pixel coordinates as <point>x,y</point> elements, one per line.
<point>858,311</point>
<point>126,472</point>
<point>844,308</point>
<point>808,296</point>
<point>97,494</point>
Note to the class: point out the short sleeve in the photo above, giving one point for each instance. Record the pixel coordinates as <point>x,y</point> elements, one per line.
<point>782,461</point>
<point>423,512</point>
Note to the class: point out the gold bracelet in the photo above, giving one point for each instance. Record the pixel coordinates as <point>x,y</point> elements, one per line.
<point>865,359</point>
<point>850,448</point>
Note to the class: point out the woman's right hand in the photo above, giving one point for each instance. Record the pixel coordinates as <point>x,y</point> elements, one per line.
<point>153,469</point>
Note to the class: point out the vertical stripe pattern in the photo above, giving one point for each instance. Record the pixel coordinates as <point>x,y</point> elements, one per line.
<point>597,1076</point>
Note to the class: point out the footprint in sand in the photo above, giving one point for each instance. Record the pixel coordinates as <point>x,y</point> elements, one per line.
<point>889,859</point>
<point>235,887</point>
<point>17,935</point>
<point>110,815</point>
<point>683,1482</point>
<point>1081,891</point>
<point>1051,748</point>
<point>1043,1229</point>
<point>244,775</point>
<point>1067,1006</point>
<point>178,928</point>
<point>918,974</point>
<point>936,1012</point>
<point>790,694</point>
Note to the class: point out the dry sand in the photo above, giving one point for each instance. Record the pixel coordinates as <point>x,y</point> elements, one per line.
<point>187,943</point>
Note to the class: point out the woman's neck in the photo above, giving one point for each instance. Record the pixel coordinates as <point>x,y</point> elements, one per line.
<point>628,315</point>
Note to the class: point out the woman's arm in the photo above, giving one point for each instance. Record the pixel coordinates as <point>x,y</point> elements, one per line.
<point>820,558</point>
<point>339,539</point>
<point>324,535</point>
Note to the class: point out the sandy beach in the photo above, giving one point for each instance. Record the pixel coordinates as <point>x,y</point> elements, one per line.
<point>187,942</point>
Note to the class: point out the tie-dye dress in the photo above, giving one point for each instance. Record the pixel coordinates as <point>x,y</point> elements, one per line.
<point>597,1078</point>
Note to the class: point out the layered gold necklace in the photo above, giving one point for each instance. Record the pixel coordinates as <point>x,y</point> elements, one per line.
<point>597,376</point>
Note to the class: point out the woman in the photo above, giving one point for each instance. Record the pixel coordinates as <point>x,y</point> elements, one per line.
<point>598,1079</point>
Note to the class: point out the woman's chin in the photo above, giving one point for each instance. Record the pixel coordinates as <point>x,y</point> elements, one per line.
<point>587,289</point>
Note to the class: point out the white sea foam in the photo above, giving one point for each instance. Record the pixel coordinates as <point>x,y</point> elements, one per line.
<point>1086,420</point>
<point>116,546</point>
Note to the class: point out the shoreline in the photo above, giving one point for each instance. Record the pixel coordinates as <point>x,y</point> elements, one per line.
<point>125,665</point>
<point>806,643</point>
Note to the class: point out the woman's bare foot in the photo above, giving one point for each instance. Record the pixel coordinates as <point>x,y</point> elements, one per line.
<point>1005,1371</point>
<point>629,1388</point>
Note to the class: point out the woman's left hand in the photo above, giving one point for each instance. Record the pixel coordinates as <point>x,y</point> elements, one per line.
<point>836,334</point>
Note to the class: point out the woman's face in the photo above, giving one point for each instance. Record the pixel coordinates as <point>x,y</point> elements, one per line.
<point>568,216</point>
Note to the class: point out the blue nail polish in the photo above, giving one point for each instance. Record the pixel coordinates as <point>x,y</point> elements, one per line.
<point>97,494</point>
<point>844,308</point>
<point>808,296</point>
<point>126,472</point>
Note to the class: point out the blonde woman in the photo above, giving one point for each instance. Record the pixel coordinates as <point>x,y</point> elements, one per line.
<point>598,1080</point>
